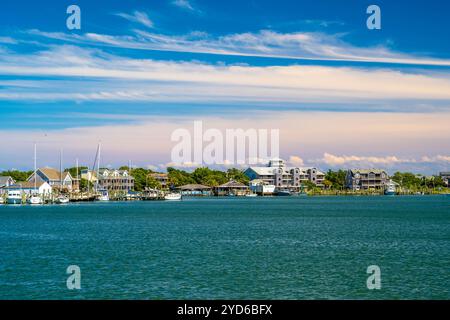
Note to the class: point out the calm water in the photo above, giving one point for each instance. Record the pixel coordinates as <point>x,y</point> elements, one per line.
<point>252,248</point>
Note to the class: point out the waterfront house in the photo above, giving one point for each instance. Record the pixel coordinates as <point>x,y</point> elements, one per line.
<point>28,187</point>
<point>115,180</point>
<point>195,190</point>
<point>5,182</point>
<point>231,188</point>
<point>445,176</point>
<point>162,178</point>
<point>364,179</point>
<point>89,175</point>
<point>285,178</point>
<point>54,178</point>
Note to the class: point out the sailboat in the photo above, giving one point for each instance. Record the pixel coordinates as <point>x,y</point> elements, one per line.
<point>35,198</point>
<point>61,199</point>
<point>103,194</point>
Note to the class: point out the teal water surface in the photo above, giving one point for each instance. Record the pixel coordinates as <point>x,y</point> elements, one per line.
<point>229,248</point>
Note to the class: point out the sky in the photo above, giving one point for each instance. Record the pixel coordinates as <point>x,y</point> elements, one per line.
<point>342,96</point>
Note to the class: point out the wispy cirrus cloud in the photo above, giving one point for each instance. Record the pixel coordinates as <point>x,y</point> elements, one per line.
<point>364,161</point>
<point>265,43</point>
<point>184,4</point>
<point>137,17</point>
<point>150,80</point>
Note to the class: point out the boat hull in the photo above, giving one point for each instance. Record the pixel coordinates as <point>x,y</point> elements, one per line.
<point>35,200</point>
<point>172,196</point>
<point>62,200</point>
<point>14,201</point>
<point>282,193</point>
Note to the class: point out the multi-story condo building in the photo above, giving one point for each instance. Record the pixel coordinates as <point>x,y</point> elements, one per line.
<point>115,180</point>
<point>283,177</point>
<point>110,179</point>
<point>363,179</point>
<point>445,176</point>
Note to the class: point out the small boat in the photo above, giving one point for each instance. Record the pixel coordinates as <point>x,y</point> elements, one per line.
<point>103,196</point>
<point>173,196</point>
<point>35,199</point>
<point>283,193</point>
<point>251,195</point>
<point>14,197</point>
<point>391,189</point>
<point>62,199</point>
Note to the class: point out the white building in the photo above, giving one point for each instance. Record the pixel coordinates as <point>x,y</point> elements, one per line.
<point>283,177</point>
<point>258,186</point>
<point>28,187</point>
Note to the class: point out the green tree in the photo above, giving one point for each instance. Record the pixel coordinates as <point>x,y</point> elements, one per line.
<point>237,175</point>
<point>84,183</point>
<point>336,178</point>
<point>153,183</point>
<point>17,175</point>
<point>179,177</point>
<point>73,170</point>
<point>408,180</point>
<point>140,176</point>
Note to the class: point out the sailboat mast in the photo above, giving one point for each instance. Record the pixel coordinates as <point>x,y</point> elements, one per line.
<point>60,169</point>
<point>35,170</point>
<point>98,164</point>
<point>76,165</point>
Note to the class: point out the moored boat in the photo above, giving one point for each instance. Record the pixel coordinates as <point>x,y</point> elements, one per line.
<point>283,193</point>
<point>62,199</point>
<point>173,196</point>
<point>14,197</point>
<point>35,199</point>
<point>390,189</point>
<point>103,195</point>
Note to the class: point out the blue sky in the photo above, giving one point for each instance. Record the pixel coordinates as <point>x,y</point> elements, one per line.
<point>138,65</point>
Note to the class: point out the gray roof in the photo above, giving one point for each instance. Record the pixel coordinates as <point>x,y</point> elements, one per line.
<point>4,180</point>
<point>194,187</point>
<point>364,171</point>
<point>232,184</point>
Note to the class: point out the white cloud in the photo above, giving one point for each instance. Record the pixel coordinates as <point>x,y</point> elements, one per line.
<point>438,158</point>
<point>265,43</point>
<point>384,140</point>
<point>334,160</point>
<point>296,161</point>
<point>137,17</point>
<point>183,4</point>
<point>389,161</point>
<point>152,167</point>
<point>169,81</point>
